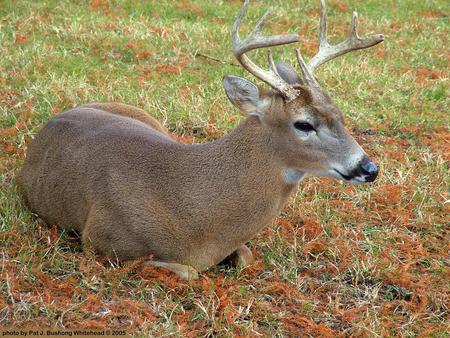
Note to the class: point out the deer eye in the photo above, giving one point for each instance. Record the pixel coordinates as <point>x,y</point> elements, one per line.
<point>304,126</point>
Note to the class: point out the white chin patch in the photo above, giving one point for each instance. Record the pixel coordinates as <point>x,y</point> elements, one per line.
<point>353,180</point>
<point>359,179</point>
<point>292,176</point>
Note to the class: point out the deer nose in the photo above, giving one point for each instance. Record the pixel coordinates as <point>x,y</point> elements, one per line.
<point>369,169</point>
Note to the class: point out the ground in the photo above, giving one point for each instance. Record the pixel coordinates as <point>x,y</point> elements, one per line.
<point>367,260</point>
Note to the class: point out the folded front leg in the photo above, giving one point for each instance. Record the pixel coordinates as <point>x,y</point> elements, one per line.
<point>242,257</point>
<point>184,271</point>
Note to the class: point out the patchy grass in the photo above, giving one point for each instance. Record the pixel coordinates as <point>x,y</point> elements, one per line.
<point>340,260</point>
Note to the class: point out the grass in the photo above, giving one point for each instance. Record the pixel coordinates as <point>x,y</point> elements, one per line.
<point>345,260</point>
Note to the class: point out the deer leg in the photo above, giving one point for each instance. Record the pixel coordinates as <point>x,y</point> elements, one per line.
<point>242,257</point>
<point>183,271</point>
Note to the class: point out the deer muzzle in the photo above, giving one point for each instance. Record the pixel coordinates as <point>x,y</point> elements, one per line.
<point>365,171</point>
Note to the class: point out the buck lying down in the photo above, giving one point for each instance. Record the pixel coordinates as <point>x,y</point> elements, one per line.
<point>112,173</point>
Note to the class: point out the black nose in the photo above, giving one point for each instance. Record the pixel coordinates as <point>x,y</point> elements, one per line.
<point>369,169</point>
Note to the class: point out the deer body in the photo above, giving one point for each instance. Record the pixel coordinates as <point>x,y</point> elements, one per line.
<point>112,172</point>
<point>134,191</point>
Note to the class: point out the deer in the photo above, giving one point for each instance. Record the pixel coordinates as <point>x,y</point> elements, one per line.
<point>112,173</point>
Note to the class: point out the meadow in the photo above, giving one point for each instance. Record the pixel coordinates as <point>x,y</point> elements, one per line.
<point>340,260</point>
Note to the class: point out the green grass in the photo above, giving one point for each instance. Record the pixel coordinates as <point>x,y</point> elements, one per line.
<point>354,260</point>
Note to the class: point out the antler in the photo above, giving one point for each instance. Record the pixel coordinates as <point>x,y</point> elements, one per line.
<point>256,41</point>
<point>328,52</point>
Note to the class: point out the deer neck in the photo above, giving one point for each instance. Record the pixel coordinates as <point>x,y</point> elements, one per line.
<point>245,168</point>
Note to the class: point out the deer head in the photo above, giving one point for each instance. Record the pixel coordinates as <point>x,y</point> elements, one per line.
<point>307,129</point>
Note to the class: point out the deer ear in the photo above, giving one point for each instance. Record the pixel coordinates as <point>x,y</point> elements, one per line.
<point>288,73</point>
<point>243,94</point>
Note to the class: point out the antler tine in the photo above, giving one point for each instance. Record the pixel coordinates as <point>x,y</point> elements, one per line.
<point>307,75</point>
<point>272,66</point>
<point>328,52</point>
<point>354,25</point>
<point>260,24</point>
<point>256,41</point>
<point>323,25</point>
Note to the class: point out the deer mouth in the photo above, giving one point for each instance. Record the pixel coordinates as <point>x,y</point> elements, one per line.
<point>356,176</point>
<point>345,177</point>
<point>350,178</point>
